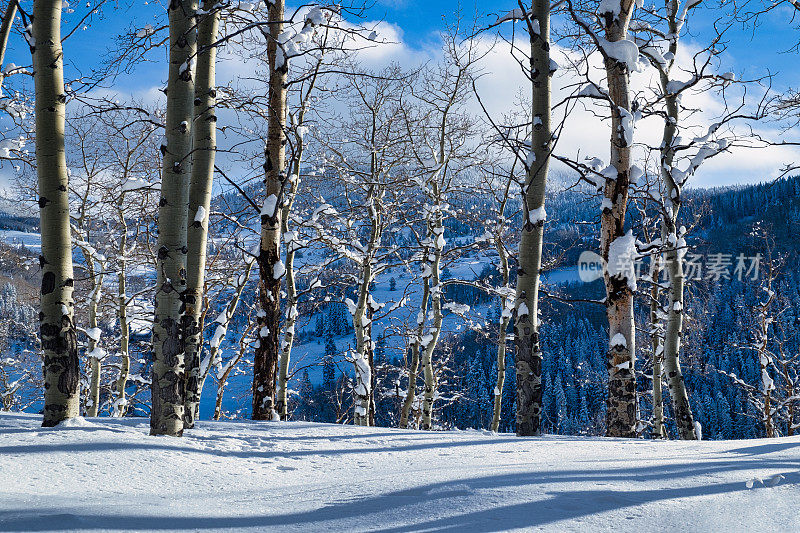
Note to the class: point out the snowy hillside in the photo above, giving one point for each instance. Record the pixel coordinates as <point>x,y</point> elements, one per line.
<point>110,475</point>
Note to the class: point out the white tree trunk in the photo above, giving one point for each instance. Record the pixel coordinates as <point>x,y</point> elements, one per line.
<point>168,387</point>
<point>362,324</point>
<point>121,402</point>
<point>204,151</point>
<point>413,368</point>
<point>674,249</point>
<point>656,339</point>
<point>526,324</point>
<point>433,259</point>
<point>292,313</point>
<point>57,327</point>
<point>96,279</point>
<point>505,319</point>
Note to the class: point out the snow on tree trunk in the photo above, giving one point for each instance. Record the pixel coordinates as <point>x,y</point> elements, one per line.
<point>674,248</point>
<point>202,180</point>
<point>93,351</point>
<point>362,356</point>
<point>656,338</point>
<point>433,271</point>
<point>120,404</point>
<point>57,327</point>
<point>121,401</point>
<point>413,368</point>
<point>291,245</point>
<point>502,337</point>
<point>270,268</point>
<point>526,321</point>
<point>621,412</point>
<point>168,386</point>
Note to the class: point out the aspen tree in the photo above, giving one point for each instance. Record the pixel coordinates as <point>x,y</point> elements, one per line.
<point>311,77</point>
<point>526,319</point>
<point>507,305</point>
<point>57,327</point>
<point>168,387</point>
<point>202,180</point>
<point>617,248</point>
<point>270,267</point>
<point>671,236</point>
<point>438,138</point>
<point>5,31</point>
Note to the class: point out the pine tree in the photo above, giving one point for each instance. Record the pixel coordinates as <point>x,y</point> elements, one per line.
<point>319,325</point>
<point>380,350</point>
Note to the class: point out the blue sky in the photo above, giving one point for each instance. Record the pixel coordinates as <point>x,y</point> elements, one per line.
<point>750,53</point>
<point>417,23</point>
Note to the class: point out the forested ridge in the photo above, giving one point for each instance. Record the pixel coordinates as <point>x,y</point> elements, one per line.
<point>722,328</point>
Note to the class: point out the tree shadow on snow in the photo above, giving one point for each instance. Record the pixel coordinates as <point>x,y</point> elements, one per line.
<point>763,449</point>
<point>417,505</point>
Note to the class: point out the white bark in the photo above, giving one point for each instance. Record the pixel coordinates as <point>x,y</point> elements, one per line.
<point>168,388</point>
<point>202,180</point>
<point>526,318</point>
<point>57,327</point>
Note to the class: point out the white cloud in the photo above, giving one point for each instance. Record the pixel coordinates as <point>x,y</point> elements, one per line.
<point>503,86</point>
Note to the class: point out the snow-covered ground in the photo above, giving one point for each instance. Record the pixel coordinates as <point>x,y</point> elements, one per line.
<point>31,241</point>
<point>101,475</point>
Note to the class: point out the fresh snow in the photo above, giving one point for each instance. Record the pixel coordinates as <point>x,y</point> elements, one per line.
<point>93,333</point>
<point>200,215</point>
<point>535,216</point>
<point>618,340</point>
<point>109,475</point>
<point>625,51</point>
<point>514,14</point>
<point>609,6</point>
<point>621,257</point>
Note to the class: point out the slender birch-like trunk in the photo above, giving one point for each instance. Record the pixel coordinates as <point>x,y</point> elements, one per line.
<point>656,337</point>
<point>526,323</point>
<point>93,332</point>
<point>281,400</point>
<point>505,319</point>
<point>364,411</point>
<point>5,30</point>
<point>433,270</point>
<point>270,268</point>
<point>413,369</point>
<point>203,156</point>
<point>168,387</point>
<point>674,245</point>
<point>121,403</point>
<point>291,244</point>
<point>621,413</point>
<point>57,326</point>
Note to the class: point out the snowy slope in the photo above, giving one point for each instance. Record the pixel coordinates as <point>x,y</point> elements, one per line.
<point>110,475</point>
